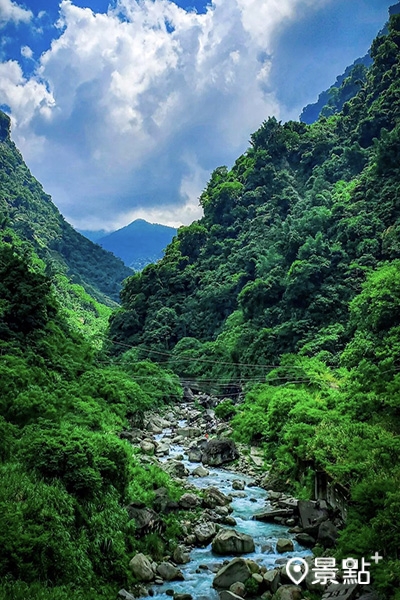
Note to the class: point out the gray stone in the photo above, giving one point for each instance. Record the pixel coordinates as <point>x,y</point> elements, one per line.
<point>284,545</point>
<point>305,540</point>
<point>141,568</point>
<point>168,572</point>
<point>235,570</point>
<point>228,595</point>
<point>183,597</point>
<point>213,497</point>
<point>229,541</point>
<point>125,595</point>
<point>238,588</point>
<point>219,451</point>
<point>288,592</point>
<point>175,469</point>
<point>188,501</point>
<point>205,532</point>
<point>189,432</point>
<point>181,556</point>
<point>147,447</point>
<point>200,471</point>
<point>238,484</point>
<point>327,534</point>
<point>270,515</point>
<point>272,580</point>
<point>341,592</point>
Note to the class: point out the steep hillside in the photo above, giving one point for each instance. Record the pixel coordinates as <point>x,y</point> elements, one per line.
<point>139,243</point>
<point>345,87</point>
<point>28,211</point>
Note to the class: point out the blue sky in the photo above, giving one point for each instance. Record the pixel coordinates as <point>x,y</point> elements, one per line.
<point>123,109</point>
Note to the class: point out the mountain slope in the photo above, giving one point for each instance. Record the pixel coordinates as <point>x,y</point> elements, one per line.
<point>287,235</point>
<point>28,211</point>
<point>139,243</point>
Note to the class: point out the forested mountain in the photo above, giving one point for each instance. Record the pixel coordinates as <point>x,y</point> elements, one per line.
<point>29,212</point>
<point>345,87</point>
<point>292,279</point>
<point>139,243</point>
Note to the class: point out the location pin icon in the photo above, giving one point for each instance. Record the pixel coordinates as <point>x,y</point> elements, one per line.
<point>294,569</point>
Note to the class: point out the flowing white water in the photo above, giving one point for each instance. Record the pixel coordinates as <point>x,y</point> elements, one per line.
<point>198,581</point>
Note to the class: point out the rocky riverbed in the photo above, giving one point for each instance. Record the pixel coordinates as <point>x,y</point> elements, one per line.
<point>242,534</point>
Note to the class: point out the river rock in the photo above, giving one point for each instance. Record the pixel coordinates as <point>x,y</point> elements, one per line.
<point>189,501</point>
<point>162,449</point>
<point>238,588</point>
<point>272,580</point>
<point>147,447</point>
<point>214,497</point>
<point>124,595</point>
<point>235,570</point>
<point>195,455</point>
<point>141,568</point>
<point>238,484</point>
<point>284,545</point>
<point>288,592</point>
<point>205,532</point>
<point>168,572</point>
<point>228,595</point>
<point>146,519</point>
<point>327,534</point>
<point>183,597</point>
<point>230,541</point>
<point>175,469</point>
<point>219,451</point>
<point>229,520</point>
<point>305,540</point>
<point>189,432</point>
<point>180,555</point>
<point>200,471</point>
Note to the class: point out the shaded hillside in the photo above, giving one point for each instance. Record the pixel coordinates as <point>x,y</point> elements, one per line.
<point>29,212</point>
<point>139,243</point>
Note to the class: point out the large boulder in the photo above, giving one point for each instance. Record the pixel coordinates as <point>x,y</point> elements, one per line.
<point>200,471</point>
<point>284,545</point>
<point>219,451</point>
<point>189,432</point>
<point>230,541</point>
<point>141,568</point>
<point>236,570</point>
<point>214,497</point>
<point>175,469</point>
<point>288,592</point>
<point>181,556</point>
<point>168,572</point>
<point>327,534</point>
<point>205,532</point>
<point>189,501</point>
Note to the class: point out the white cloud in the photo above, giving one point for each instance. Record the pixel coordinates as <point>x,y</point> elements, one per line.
<point>129,111</point>
<point>11,11</point>
<point>26,52</point>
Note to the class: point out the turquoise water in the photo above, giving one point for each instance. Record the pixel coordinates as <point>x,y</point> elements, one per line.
<point>198,582</point>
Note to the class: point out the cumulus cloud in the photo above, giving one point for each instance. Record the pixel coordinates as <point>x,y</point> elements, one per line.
<point>11,11</point>
<point>129,111</point>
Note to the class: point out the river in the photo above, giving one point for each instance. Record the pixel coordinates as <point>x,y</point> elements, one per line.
<point>198,581</point>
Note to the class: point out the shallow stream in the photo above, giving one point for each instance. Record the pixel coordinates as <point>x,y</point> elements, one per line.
<point>198,581</point>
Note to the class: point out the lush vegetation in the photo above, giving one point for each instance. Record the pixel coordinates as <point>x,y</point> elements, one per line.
<point>28,211</point>
<point>65,475</point>
<point>289,288</point>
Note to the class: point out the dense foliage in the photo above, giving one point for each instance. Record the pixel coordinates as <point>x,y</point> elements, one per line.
<point>65,475</point>
<point>29,212</point>
<point>288,287</point>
